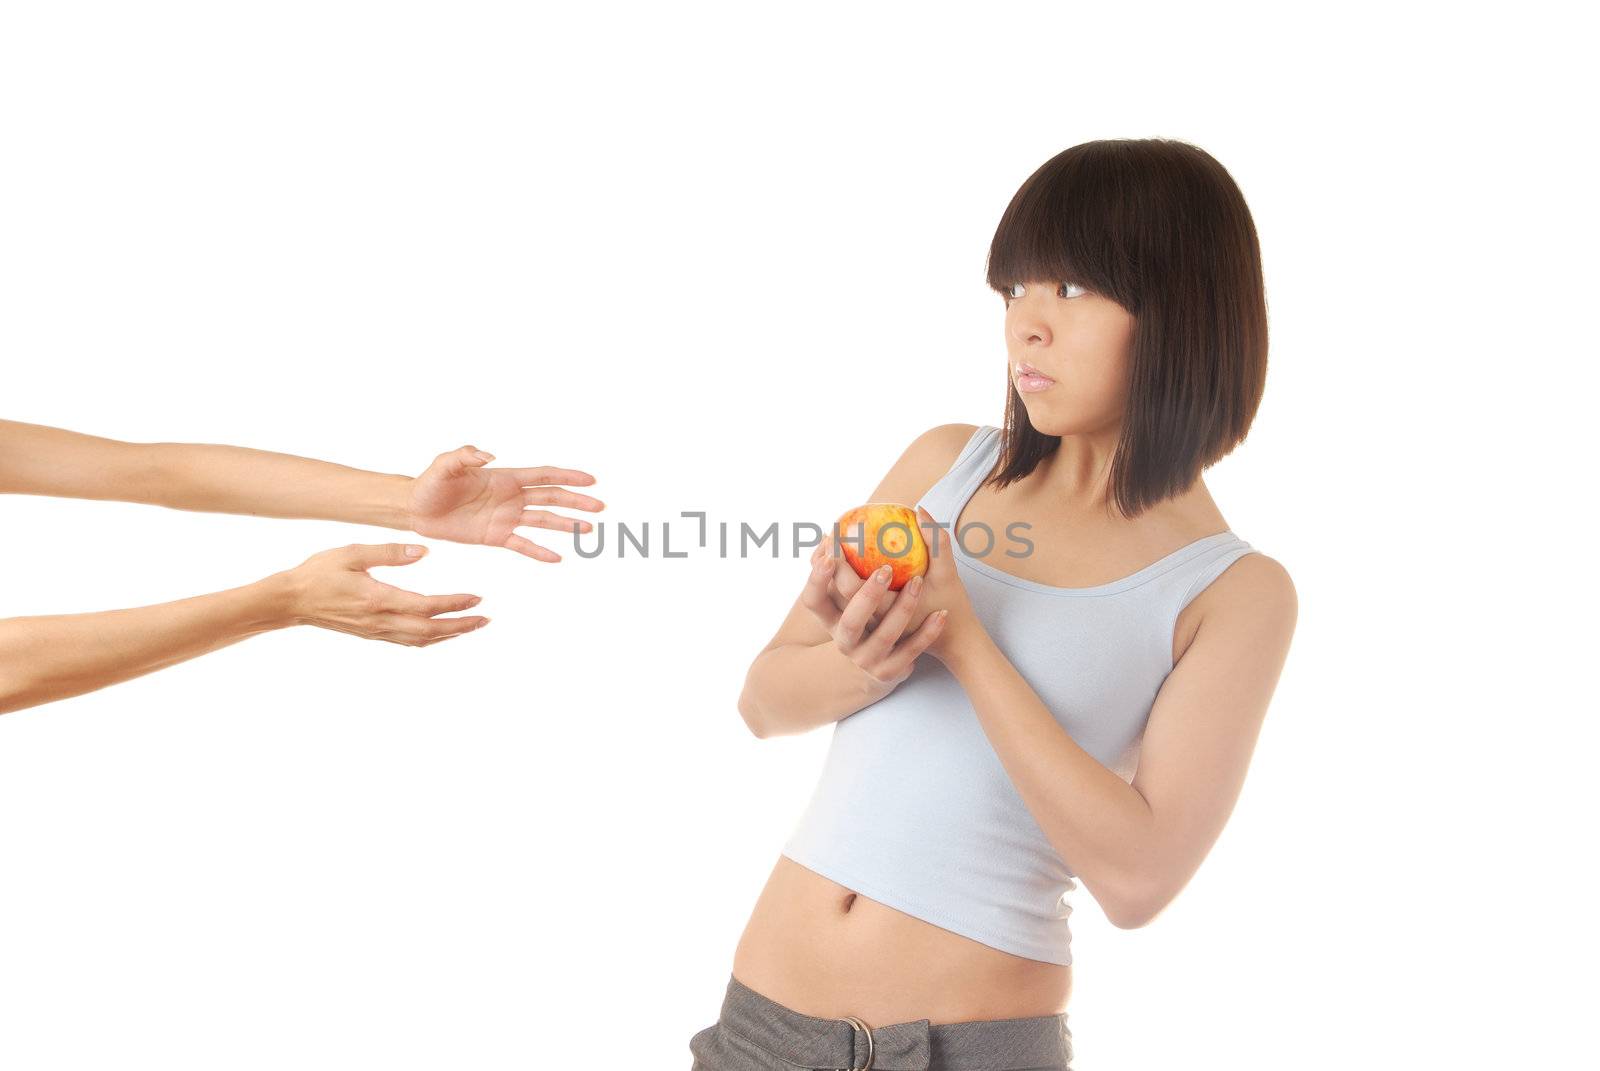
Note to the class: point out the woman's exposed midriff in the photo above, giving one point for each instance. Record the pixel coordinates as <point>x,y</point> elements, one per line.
<point>819,948</point>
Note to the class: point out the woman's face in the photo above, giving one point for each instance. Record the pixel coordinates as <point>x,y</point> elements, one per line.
<point>1078,344</point>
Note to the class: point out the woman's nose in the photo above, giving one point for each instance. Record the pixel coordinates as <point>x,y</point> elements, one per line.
<point>1030,330</point>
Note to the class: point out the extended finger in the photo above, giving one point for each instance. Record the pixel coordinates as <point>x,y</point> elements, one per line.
<point>399,600</point>
<point>560,496</point>
<point>936,536</point>
<point>434,629</point>
<point>894,620</point>
<point>911,647</point>
<point>546,474</point>
<point>454,462</point>
<point>367,555</point>
<point>858,612</point>
<point>538,518</point>
<point>421,631</point>
<point>530,548</point>
<point>845,582</point>
<point>846,579</point>
<point>815,595</point>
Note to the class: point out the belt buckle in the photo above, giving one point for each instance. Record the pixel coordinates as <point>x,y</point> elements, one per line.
<point>857,1024</point>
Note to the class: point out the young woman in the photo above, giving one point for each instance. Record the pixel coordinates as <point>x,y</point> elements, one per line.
<point>1073,690</point>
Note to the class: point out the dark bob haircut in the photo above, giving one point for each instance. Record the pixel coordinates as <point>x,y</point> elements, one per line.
<point>1159,227</point>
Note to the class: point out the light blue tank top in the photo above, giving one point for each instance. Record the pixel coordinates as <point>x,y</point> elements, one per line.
<point>914,809</point>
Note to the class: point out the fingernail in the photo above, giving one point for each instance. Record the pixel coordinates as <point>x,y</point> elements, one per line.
<point>882,573</point>
<point>476,599</point>
<point>483,455</point>
<point>915,585</point>
<point>482,623</point>
<point>413,551</point>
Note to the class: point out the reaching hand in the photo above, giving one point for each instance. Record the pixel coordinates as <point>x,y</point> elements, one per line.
<point>332,590</point>
<point>458,499</point>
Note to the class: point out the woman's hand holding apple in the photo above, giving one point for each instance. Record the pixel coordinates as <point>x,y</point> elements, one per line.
<point>869,622</point>
<point>868,625</point>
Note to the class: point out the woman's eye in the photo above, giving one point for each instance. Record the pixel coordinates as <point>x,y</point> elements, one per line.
<point>1072,290</point>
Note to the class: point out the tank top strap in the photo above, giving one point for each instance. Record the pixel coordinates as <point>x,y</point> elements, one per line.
<point>1198,572</point>
<point>971,464</point>
<point>1164,587</point>
<point>984,442</point>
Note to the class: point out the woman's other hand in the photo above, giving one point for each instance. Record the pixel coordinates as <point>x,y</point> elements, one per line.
<point>944,590</point>
<point>332,590</point>
<point>458,499</point>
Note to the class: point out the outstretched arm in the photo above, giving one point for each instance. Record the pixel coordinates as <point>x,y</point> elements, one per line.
<point>55,656</point>
<point>210,478</point>
<point>456,498</point>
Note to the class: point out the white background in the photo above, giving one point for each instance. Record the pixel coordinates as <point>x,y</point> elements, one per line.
<point>730,258</point>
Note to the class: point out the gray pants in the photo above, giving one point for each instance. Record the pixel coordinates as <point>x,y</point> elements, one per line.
<point>755,1033</point>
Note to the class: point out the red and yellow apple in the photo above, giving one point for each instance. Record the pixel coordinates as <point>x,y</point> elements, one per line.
<point>879,534</point>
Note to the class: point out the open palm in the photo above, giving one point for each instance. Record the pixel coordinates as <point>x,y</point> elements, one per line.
<point>458,499</point>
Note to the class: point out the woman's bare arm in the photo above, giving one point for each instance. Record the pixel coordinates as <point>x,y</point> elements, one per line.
<point>794,686</point>
<point>800,679</point>
<point>39,460</point>
<point>55,656</point>
<point>52,657</point>
<point>456,498</point>
<point>1135,846</point>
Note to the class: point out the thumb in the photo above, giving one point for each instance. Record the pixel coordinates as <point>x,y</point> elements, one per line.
<point>455,462</point>
<point>367,555</point>
<point>933,532</point>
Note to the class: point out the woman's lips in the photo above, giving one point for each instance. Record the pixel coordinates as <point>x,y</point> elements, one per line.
<point>1030,380</point>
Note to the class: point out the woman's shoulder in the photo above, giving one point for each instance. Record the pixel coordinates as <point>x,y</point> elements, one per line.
<point>921,464</point>
<point>1252,588</point>
<point>940,446</point>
